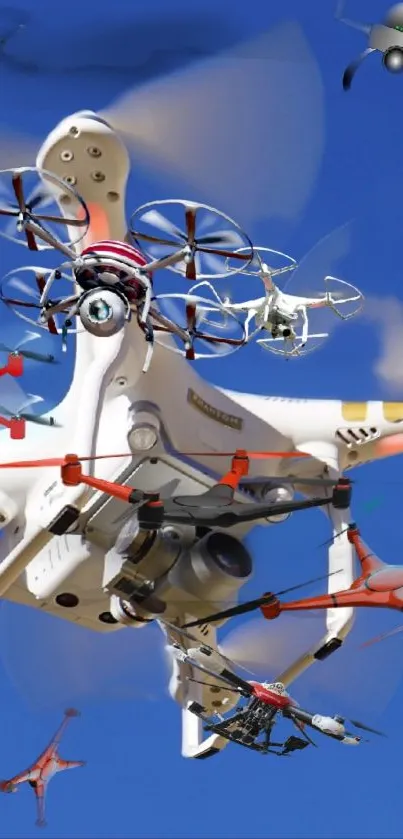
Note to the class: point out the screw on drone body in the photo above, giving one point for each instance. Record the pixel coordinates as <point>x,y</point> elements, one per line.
<point>93,151</point>
<point>98,176</point>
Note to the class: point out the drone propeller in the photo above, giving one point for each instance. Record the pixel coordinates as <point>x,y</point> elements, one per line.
<point>364,727</point>
<point>192,251</point>
<point>29,417</point>
<point>248,455</point>
<point>57,461</point>
<point>382,637</point>
<point>29,354</point>
<point>209,150</point>
<point>169,318</point>
<point>29,306</point>
<point>62,461</point>
<point>251,605</point>
<point>26,214</point>
<point>179,630</point>
<point>68,663</point>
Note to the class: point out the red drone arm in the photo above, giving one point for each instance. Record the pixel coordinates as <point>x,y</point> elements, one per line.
<point>71,474</point>
<point>239,469</point>
<point>379,586</point>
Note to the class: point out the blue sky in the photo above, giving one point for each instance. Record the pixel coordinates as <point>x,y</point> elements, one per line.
<point>136,783</point>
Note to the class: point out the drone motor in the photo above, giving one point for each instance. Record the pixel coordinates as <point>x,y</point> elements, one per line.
<point>393,60</point>
<point>104,312</point>
<point>278,495</point>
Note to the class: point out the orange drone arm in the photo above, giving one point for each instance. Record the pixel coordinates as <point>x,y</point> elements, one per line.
<point>239,469</point>
<point>350,597</point>
<point>71,474</point>
<point>361,593</point>
<point>368,561</point>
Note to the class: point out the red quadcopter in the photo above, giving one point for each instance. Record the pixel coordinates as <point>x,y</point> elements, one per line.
<point>42,771</point>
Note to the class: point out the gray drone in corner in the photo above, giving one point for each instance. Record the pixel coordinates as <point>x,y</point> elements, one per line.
<point>386,37</point>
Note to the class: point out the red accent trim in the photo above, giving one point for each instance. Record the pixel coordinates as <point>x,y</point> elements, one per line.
<point>275,700</point>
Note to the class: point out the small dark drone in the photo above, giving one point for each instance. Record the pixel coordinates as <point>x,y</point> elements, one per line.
<point>386,37</point>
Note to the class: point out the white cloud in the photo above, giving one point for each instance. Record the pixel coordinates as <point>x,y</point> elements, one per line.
<point>387,315</point>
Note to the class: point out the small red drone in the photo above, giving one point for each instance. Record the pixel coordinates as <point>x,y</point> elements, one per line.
<point>252,725</point>
<point>40,773</point>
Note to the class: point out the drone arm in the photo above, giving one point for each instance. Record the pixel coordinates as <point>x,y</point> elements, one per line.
<point>20,778</point>
<point>368,561</point>
<point>72,475</point>
<point>40,790</point>
<point>51,748</point>
<point>239,469</point>
<point>338,600</point>
<point>39,231</point>
<point>62,765</point>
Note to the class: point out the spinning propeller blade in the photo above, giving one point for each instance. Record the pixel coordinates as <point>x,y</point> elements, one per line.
<point>247,454</point>
<point>55,461</point>
<point>61,461</point>
<point>179,630</point>
<point>29,354</point>
<point>208,150</point>
<point>364,727</point>
<point>69,663</point>
<point>382,637</point>
<point>251,605</point>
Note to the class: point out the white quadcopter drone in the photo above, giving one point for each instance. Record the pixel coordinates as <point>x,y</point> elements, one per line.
<point>286,316</point>
<point>61,548</point>
<point>115,279</point>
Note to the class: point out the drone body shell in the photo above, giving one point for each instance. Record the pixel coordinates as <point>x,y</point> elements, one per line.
<point>271,697</point>
<point>384,38</point>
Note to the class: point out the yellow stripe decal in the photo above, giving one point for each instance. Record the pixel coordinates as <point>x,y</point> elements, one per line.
<point>393,411</point>
<point>354,411</point>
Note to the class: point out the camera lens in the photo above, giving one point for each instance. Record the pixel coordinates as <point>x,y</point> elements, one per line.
<point>99,311</point>
<point>229,554</point>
